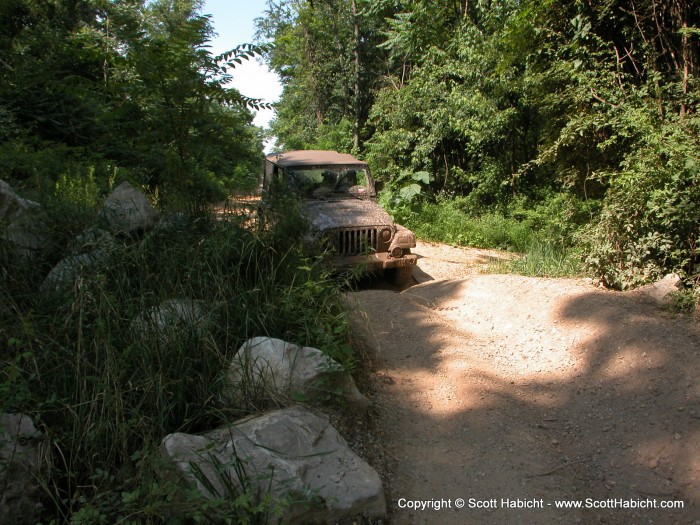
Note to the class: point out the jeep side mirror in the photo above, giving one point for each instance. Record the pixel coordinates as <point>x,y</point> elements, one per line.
<point>378,186</point>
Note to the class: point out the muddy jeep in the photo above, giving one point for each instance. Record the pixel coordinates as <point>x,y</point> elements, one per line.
<point>339,200</point>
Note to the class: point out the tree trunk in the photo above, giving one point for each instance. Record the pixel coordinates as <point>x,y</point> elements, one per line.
<point>358,94</point>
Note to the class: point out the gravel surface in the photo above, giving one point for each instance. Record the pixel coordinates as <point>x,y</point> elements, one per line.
<point>511,393</point>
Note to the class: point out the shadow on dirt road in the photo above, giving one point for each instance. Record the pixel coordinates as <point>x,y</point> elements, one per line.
<point>513,393</point>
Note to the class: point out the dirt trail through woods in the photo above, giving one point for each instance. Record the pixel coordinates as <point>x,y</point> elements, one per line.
<point>506,390</point>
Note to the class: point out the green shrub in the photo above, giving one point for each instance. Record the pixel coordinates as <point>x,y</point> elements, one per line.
<point>649,221</point>
<point>545,232</point>
<point>456,221</point>
<point>683,301</point>
<point>543,259</point>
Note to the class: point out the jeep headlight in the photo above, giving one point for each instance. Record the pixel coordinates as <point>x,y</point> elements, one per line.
<point>403,240</point>
<point>385,234</point>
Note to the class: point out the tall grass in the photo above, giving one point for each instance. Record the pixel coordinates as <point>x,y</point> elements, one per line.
<point>543,259</point>
<point>543,234</point>
<point>105,392</point>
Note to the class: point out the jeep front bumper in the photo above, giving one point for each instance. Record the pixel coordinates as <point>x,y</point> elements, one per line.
<point>375,261</point>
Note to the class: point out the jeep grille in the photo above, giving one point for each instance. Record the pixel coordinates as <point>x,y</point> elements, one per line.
<point>356,241</point>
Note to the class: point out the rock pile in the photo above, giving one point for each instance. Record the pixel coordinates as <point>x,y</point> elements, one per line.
<point>293,455</point>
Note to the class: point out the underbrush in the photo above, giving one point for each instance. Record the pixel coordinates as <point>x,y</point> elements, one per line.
<point>543,260</point>
<point>104,392</point>
<point>544,233</point>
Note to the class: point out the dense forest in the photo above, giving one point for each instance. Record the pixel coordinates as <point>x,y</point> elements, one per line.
<point>98,90</point>
<point>579,117</point>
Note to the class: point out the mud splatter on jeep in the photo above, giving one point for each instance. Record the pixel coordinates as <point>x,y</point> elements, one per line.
<point>339,199</point>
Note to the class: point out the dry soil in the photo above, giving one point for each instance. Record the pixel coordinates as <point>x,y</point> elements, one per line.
<point>497,396</point>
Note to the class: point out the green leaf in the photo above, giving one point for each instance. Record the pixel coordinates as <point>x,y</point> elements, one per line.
<point>422,176</point>
<point>408,193</point>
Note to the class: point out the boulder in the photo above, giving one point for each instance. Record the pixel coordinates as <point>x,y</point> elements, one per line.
<point>62,277</point>
<point>20,468</point>
<point>127,210</point>
<point>20,222</point>
<point>659,291</point>
<point>292,454</point>
<point>286,371</point>
<point>166,321</point>
<point>173,223</point>
<point>93,239</point>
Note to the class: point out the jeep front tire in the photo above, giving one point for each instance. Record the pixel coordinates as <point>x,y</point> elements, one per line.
<point>399,276</point>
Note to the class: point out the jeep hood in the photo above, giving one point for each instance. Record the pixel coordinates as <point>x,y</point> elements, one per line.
<point>344,213</point>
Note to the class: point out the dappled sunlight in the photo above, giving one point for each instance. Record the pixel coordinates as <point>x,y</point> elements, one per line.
<point>458,385</point>
<point>538,388</point>
<point>423,393</point>
<point>538,350</point>
<point>630,359</point>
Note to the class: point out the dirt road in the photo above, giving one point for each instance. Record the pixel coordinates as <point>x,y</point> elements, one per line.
<point>508,394</point>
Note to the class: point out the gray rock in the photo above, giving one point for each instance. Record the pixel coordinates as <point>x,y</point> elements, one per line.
<point>660,290</point>
<point>312,468</point>
<point>127,210</point>
<point>93,239</point>
<point>166,321</point>
<point>20,222</point>
<point>19,470</point>
<point>286,371</point>
<point>63,276</point>
<point>172,223</point>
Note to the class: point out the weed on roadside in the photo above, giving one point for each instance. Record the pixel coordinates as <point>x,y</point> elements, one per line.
<point>106,373</point>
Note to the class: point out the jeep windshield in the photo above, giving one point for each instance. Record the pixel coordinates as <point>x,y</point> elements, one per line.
<point>330,182</point>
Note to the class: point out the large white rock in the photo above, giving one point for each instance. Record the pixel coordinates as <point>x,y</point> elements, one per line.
<point>286,371</point>
<point>20,222</point>
<point>312,468</point>
<point>20,468</point>
<point>127,210</point>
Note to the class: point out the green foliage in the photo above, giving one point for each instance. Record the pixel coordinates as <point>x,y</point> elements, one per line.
<point>558,220</point>
<point>403,190</point>
<point>544,259</point>
<point>545,234</point>
<point>649,222</point>
<point>464,115</point>
<point>130,85</point>
<point>80,188</point>
<point>326,55</point>
<point>683,301</point>
<point>105,390</point>
<point>445,221</point>
<point>510,102</point>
